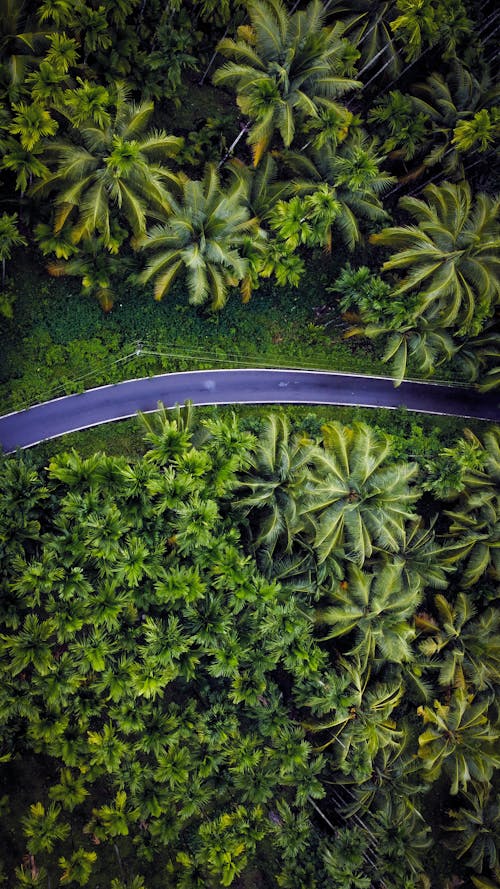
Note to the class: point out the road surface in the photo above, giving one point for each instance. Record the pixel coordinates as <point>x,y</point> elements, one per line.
<point>70,413</point>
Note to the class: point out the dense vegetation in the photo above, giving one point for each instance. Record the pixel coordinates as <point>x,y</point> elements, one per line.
<point>263,658</point>
<point>356,126</point>
<point>256,653</point>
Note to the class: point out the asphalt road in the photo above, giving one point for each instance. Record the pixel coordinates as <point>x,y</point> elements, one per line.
<point>118,401</point>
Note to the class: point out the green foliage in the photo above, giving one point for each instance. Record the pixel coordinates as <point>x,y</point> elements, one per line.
<point>285,69</point>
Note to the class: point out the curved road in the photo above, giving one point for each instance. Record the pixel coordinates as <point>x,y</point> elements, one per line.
<point>120,400</point>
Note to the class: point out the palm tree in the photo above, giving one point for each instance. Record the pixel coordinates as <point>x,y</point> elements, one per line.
<point>204,237</point>
<point>116,175</point>
<point>424,25</point>
<point>457,107</point>
<point>358,502</point>
<point>32,123</point>
<point>459,739</point>
<point>475,828</point>
<point>286,67</point>
<point>42,828</point>
<point>367,25</point>
<point>91,262</point>
<point>450,254</point>
<point>404,130</point>
<point>475,526</point>
<point>400,837</point>
<point>424,344</point>
<point>20,38</point>
<point>9,238</point>
<point>464,648</point>
<point>274,485</point>
<point>78,868</point>
<point>30,646</point>
<point>376,610</point>
<point>351,177</point>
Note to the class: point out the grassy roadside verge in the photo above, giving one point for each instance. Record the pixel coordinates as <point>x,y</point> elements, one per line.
<point>59,342</point>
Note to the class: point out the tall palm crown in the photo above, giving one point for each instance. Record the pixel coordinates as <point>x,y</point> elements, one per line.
<point>285,65</point>
<point>360,502</point>
<point>451,255</point>
<point>115,174</point>
<point>376,608</point>
<point>204,235</point>
<point>456,105</point>
<point>271,492</point>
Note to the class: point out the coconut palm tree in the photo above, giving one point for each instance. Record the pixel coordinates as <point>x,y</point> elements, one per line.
<point>375,609</point>
<point>424,344</point>
<point>286,68</point>
<point>475,828</point>
<point>457,107</point>
<point>450,255</point>
<point>203,236</point>
<point>115,176</point>
<point>358,502</point>
<point>423,561</point>
<point>274,486</point>
<point>460,739</point>
<point>401,838</point>
<point>367,25</point>
<point>475,525</point>
<point>464,648</point>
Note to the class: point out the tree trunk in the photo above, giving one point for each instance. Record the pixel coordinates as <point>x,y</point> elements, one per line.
<point>244,130</point>
<point>212,60</point>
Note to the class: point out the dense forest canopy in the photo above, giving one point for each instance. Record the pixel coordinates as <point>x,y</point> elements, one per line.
<point>330,126</point>
<point>251,661</point>
<point>254,654</point>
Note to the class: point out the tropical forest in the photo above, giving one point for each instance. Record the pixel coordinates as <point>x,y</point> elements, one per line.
<point>255,645</point>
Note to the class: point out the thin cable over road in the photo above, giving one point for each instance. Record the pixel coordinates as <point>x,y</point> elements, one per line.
<point>118,401</point>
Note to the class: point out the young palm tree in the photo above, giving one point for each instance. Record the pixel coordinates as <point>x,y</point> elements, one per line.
<point>450,254</point>
<point>116,175</point>
<point>286,68</point>
<point>367,24</point>
<point>78,868</point>
<point>43,829</point>
<point>351,176</point>
<point>203,237</point>
<point>30,646</point>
